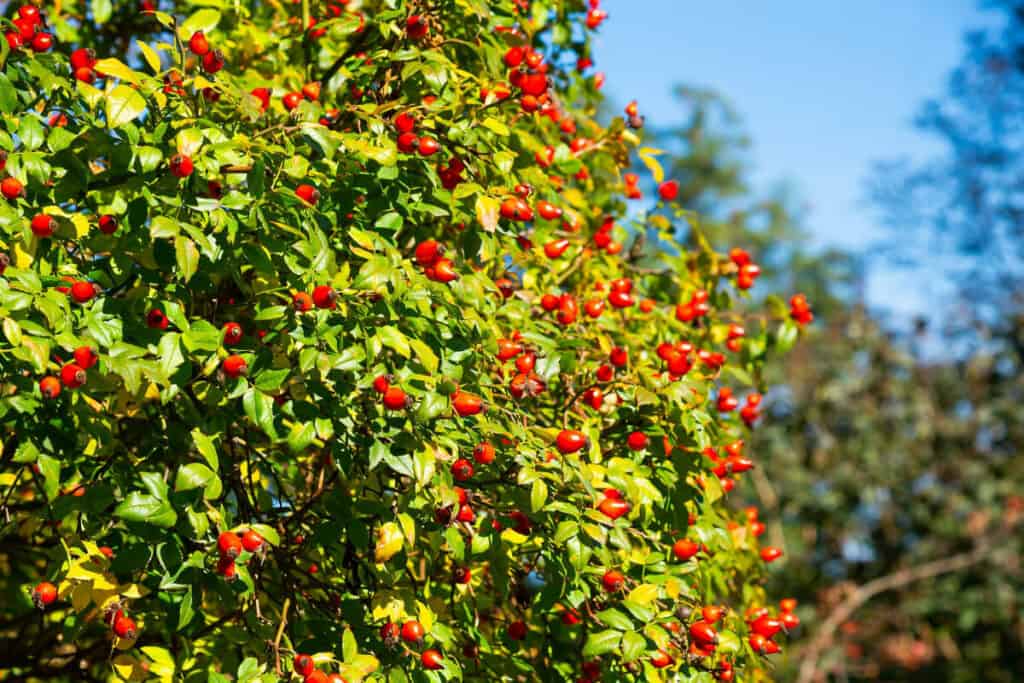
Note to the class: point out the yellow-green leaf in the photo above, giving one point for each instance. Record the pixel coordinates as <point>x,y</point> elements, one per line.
<point>114,67</point>
<point>124,104</point>
<point>644,594</point>
<point>150,55</point>
<point>487,212</point>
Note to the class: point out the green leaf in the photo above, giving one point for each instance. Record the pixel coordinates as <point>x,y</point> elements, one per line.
<point>389,221</point>
<point>601,642</point>
<point>187,256</point>
<point>123,105</point>
<point>377,452</point>
<point>141,507</point>
<point>31,132</point>
<point>393,339</point>
<point>101,10</point>
<point>633,645</point>
<point>487,212</point>
<point>150,55</point>
<point>538,495</point>
<point>349,647</point>
<point>615,619</point>
<point>185,611</point>
<point>8,95</point>
<point>425,355</point>
<point>786,337</point>
<point>49,470</point>
<point>271,380</point>
<point>115,68</point>
<point>197,475</point>
<point>496,126</point>
<point>248,670</point>
<point>204,20</point>
<point>565,531</point>
<point>260,409</point>
<point>300,436</point>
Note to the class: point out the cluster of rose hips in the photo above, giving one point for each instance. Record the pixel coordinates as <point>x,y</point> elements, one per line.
<point>393,398</point>
<point>800,310</point>
<point>697,307</point>
<point>764,627</point>
<point>211,59</point>
<point>429,255</point>
<point>603,237</point>
<point>620,296</point>
<point>323,297</point>
<point>612,505</point>
<point>408,142</point>
<point>525,382</point>
<point>230,547</point>
<point>528,73</point>
<point>633,190</point>
<point>734,337</point>
<point>412,634</point>
<point>29,24</point>
<point>595,397</point>
<point>565,304</point>
<point>336,9</point>
<point>451,173</point>
<point>751,410</point>
<point>748,270</point>
<point>83,65</point>
<point>305,666</point>
<point>72,375</point>
<point>44,225</point>
<point>310,92</point>
<point>595,15</point>
<point>734,462</point>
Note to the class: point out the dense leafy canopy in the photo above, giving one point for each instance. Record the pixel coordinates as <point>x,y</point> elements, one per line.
<point>322,337</point>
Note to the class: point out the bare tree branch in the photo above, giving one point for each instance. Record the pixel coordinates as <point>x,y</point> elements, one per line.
<point>904,577</point>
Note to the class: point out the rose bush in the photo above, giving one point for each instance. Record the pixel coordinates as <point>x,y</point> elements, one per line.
<point>330,350</point>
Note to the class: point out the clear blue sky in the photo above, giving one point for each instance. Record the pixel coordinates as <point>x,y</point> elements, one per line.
<point>825,87</point>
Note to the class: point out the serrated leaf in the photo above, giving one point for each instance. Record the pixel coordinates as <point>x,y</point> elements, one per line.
<point>538,495</point>
<point>187,256</point>
<point>197,475</point>
<point>602,642</point>
<point>204,20</point>
<point>150,55</point>
<point>123,105</point>
<point>142,507</point>
<point>633,645</point>
<point>487,212</point>
<point>115,68</point>
<point>644,594</point>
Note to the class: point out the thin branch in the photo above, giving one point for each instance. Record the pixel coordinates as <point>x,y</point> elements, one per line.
<point>280,632</point>
<point>861,595</point>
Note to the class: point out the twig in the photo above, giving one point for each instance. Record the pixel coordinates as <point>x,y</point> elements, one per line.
<point>280,632</point>
<point>861,595</point>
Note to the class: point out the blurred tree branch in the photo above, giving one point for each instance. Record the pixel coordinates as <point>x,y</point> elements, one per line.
<point>826,632</point>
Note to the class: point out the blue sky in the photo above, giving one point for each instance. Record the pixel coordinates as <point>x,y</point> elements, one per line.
<point>825,87</point>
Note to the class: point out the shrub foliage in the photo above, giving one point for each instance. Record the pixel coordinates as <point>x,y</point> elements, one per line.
<point>326,332</point>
